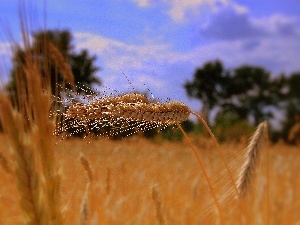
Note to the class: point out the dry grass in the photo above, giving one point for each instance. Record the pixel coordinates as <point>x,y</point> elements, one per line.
<point>125,173</point>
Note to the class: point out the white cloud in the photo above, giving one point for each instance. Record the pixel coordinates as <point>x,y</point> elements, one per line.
<point>274,54</point>
<point>118,54</point>
<point>230,23</point>
<point>142,3</point>
<point>231,4</point>
<point>278,24</point>
<point>146,80</point>
<point>164,70</point>
<point>180,10</point>
<point>5,49</point>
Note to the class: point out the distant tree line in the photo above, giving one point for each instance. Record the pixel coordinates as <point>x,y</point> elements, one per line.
<point>245,95</point>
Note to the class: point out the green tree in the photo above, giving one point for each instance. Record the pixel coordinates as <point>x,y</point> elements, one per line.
<point>209,86</point>
<point>251,94</point>
<point>81,64</point>
<point>246,93</point>
<point>293,93</point>
<point>291,102</point>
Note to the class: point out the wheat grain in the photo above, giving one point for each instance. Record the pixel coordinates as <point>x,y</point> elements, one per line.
<point>253,155</point>
<point>128,112</point>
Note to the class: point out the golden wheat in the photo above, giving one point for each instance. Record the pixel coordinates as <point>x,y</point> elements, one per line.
<point>4,163</point>
<point>26,123</point>
<point>60,62</point>
<point>253,155</point>
<point>124,113</point>
<point>84,212</point>
<point>156,196</point>
<point>108,181</point>
<point>134,108</point>
<point>86,166</point>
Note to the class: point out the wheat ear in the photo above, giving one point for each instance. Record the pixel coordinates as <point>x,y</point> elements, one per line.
<point>87,168</point>
<point>253,155</point>
<point>29,131</point>
<point>133,109</point>
<point>60,62</point>
<point>156,196</point>
<point>12,122</point>
<point>85,208</point>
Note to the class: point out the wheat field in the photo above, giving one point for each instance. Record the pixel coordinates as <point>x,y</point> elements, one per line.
<point>136,181</point>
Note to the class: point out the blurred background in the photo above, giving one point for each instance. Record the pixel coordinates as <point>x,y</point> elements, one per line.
<point>235,62</point>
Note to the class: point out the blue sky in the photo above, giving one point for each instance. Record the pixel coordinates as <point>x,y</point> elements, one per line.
<point>159,43</point>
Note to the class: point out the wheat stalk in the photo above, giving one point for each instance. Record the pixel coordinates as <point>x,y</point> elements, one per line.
<point>253,155</point>
<point>156,196</point>
<point>29,131</point>
<point>84,212</point>
<point>4,163</point>
<point>12,122</point>
<point>87,168</point>
<point>108,181</point>
<point>60,62</point>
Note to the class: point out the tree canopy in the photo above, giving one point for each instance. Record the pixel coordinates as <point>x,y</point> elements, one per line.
<point>208,85</point>
<point>249,93</point>
<point>246,93</point>
<point>82,64</point>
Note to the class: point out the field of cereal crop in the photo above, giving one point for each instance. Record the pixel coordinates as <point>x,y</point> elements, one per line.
<point>125,174</point>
